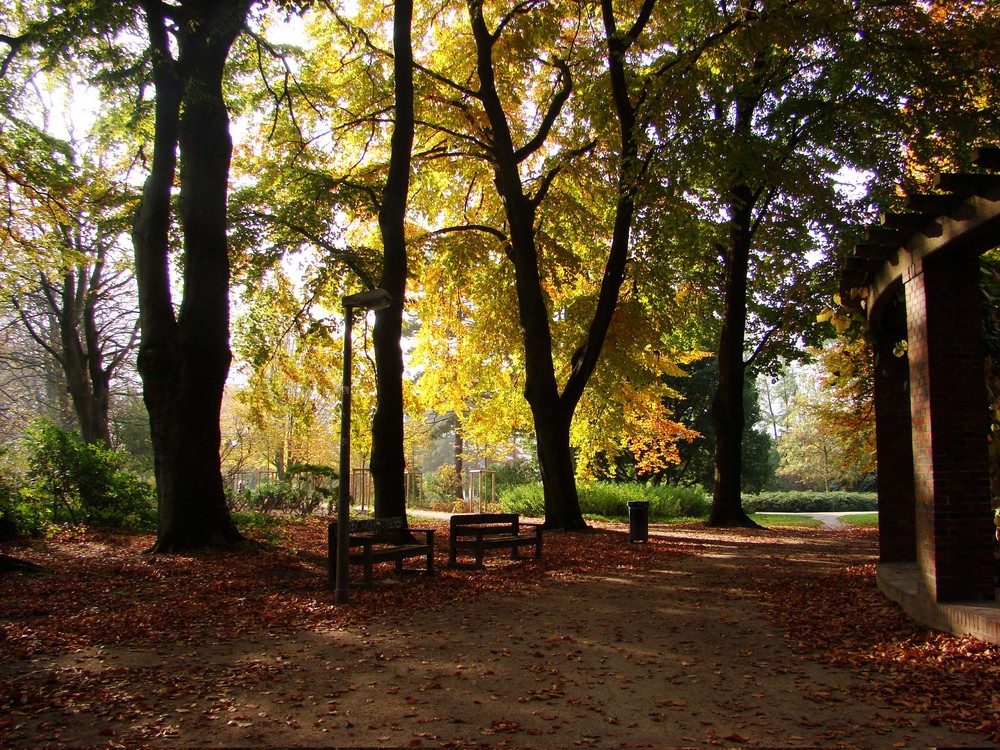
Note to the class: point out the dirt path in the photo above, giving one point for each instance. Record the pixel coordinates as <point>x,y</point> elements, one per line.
<point>679,655</point>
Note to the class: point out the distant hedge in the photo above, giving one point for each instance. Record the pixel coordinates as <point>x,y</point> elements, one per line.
<point>611,500</point>
<point>810,502</point>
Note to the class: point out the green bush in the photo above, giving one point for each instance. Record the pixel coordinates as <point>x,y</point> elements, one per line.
<point>525,499</point>
<point>611,500</point>
<point>674,501</point>
<point>68,480</point>
<point>19,514</point>
<point>443,484</point>
<point>281,496</point>
<point>272,496</point>
<point>810,502</point>
<point>514,474</point>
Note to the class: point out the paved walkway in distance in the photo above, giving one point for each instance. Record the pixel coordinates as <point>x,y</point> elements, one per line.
<point>833,520</point>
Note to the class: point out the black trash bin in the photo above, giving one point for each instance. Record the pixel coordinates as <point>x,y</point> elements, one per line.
<point>638,521</point>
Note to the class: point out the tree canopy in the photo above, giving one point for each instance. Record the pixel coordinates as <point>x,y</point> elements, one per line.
<point>590,198</point>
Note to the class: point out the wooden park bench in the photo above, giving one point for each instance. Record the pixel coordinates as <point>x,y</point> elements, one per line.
<point>477,532</point>
<point>378,540</point>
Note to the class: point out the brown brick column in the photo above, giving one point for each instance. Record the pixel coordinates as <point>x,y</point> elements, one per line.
<point>949,422</point>
<point>896,502</point>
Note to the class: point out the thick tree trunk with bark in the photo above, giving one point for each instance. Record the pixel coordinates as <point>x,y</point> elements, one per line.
<point>388,460</point>
<point>184,360</point>
<point>728,416</point>
<point>727,406</point>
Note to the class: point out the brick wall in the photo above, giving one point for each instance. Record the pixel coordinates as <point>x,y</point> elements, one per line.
<point>948,408</point>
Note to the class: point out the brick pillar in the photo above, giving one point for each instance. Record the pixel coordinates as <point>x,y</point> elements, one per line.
<point>896,503</point>
<point>948,402</point>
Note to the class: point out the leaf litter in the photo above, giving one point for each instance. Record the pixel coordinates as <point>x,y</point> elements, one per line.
<point>111,646</point>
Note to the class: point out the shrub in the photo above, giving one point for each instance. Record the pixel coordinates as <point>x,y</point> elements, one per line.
<point>525,499</point>
<point>84,482</point>
<point>611,500</point>
<point>297,496</point>
<point>810,502</point>
<point>19,514</point>
<point>444,484</point>
<point>514,474</point>
<point>675,501</point>
<point>272,496</point>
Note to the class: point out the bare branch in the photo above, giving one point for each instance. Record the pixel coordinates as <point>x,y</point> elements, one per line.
<point>473,228</point>
<point>761,345</point>
<point>445,80</point>
<point>546,180</point>
<point>15,43</point>
<point>520,9</point>
<point>565,81</point>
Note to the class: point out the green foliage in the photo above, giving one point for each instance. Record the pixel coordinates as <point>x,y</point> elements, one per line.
<point>526,499</point>
<point>260,526</point>
<point>443,484</point>
<point>810,502</point>
<point>83,483</point>
<point>511,475</point>
<point>283,497</point>
<point>611,500</point>
<point>19,514</point>
<point>693,407</point>
<point>312,470</point>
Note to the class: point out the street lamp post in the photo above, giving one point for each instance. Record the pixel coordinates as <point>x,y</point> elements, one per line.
<point>373,299</point>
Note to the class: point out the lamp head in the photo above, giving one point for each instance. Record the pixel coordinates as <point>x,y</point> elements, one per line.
<point>371,299</point>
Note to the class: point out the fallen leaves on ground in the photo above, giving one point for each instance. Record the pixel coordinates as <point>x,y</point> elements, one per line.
<point>840,617</point>
<point>100,591</point>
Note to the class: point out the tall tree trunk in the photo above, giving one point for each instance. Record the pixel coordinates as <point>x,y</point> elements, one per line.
<point>541,390</point>
<point>388,459</point>
<point>72,338</point>
<point>727,406</point>
<point>184,360</point>
<point>86,379</point>
<point>458,448</point>
<point>728,418</point>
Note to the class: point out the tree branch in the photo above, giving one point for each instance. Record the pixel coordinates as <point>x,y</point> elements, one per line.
<point>565,81</point>
<point>473,228</point>
<point>366,278</point>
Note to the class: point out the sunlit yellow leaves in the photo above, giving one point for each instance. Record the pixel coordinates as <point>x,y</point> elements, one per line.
<point>653,440</point>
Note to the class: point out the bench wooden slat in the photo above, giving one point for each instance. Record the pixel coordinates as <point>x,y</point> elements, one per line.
<point>382,540</point>
<point>478,532</point>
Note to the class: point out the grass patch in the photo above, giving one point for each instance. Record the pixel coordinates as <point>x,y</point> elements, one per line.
<point>787,521</point>
<point>862,519</point>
